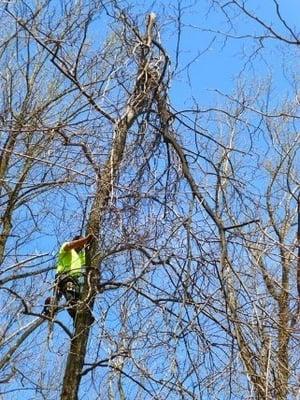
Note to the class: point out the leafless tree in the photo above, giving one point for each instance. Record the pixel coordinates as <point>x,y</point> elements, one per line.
<point>193,275</point>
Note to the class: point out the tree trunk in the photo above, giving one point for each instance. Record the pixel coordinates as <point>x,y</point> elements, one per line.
<point>140,100</point>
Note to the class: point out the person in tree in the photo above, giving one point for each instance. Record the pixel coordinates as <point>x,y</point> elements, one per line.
<point>70,272</point>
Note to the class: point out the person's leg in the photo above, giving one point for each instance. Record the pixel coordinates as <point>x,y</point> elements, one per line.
<point>71,295</point>
<point>47,307</point>
<point>51,303</point>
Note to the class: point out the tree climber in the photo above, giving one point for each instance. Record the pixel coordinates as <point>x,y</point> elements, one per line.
<point>69,275</point>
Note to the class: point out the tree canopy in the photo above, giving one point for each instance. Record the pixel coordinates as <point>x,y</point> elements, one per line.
<point>170,132</point>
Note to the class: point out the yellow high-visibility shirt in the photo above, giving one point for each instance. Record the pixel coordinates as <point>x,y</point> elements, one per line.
<point>70,262</point>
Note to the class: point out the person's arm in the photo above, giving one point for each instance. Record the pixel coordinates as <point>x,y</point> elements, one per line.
<point>79,243</point>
